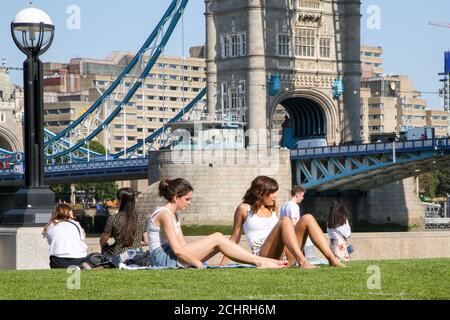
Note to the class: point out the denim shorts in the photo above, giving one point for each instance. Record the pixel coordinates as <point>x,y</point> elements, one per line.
<point>164,257</point>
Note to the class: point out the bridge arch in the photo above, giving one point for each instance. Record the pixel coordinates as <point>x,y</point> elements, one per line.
<point>312,114</point>
<point>8,141</point>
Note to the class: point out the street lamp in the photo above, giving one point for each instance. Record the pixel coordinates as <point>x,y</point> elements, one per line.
<point>32,31</point>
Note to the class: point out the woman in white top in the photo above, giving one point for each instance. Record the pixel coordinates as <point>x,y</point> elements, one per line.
<point>338,229</point>
<point>167,245</point>
<point>66,239</point>
<point>267,235</point>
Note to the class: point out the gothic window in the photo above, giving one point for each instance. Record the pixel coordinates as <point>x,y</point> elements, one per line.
<point>284,45</point>
<point>235,48</point>
<point>243,44</point>
<point>305,42</point>
<point>233,45</point>
<point>325,47</point>
<point>225,42</point>
<point>224,96</point>
<point>234,99</point>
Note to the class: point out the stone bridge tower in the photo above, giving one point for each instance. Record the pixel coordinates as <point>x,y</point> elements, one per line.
<point>266,54</point>
<point>11,109</point>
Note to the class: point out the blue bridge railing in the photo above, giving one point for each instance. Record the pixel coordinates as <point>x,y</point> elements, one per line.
<point>371,148</point>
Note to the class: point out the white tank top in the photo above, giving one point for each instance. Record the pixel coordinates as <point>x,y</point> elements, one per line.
<point>156,236</point>
<point>258,228</point>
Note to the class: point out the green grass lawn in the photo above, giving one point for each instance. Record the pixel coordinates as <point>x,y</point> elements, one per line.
<point>402,279</point>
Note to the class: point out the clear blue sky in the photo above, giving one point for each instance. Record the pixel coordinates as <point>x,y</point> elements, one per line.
<point>411,46</point>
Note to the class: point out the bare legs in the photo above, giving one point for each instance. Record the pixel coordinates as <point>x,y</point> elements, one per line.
<point>293,238</point>
<point>209,246</point>
<point>309,226</point>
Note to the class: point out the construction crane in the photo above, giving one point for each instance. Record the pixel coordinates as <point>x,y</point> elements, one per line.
<point>439,24</point>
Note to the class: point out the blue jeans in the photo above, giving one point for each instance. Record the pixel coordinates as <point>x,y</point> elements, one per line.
<point>164,257</point>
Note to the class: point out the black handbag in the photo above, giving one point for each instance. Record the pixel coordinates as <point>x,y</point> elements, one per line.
<point>100,260</point>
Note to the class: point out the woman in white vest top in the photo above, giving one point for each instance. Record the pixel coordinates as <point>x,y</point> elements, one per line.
<point>167,245</point>
<point>269,236</point>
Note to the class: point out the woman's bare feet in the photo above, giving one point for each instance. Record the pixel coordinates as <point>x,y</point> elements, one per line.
<point>266,263</point>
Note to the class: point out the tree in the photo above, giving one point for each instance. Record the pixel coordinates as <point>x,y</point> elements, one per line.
<point>443,187</point>
<point>62,191</point>
<point>428,184</point>
<point>101,191</point>
<point>435,183</point>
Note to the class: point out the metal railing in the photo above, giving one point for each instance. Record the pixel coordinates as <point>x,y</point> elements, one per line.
<point>400,146</point>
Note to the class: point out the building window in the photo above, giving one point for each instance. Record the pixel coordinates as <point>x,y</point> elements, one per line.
<point>325,47</point>
<point>2,117</point>
<point>243,44</point>
<point>242,102</point>
<point>242,87</point>
<point>225,42</point>
<point>284,45</point>
<point>376,106</point>
<point>377,128</point>
<point>224,96</point>
<point>233,45</point>
<point>305,42</point>
<point>234,99</point>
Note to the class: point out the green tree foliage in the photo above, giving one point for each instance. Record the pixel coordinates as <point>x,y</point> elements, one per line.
<point>99,190</point>
<point>435,183</point>
<point>96,147</point>
<point>61,190</point>
<point>444,182</point>
<point>428,184</point>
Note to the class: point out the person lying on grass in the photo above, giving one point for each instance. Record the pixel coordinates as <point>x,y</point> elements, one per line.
<point>269,236</point>
<point>167,245</point>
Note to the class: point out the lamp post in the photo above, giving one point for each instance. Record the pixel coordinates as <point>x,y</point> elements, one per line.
<point>32,31</point>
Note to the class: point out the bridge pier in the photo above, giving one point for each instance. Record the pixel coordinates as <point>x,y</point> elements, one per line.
<point>219,177</point>
<point>393,206</point>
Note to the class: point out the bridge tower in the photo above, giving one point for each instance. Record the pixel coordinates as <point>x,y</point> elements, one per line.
<point>263,55</point>
<point>11,108</point>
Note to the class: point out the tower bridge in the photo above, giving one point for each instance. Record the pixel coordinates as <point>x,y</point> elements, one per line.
<point>300,57</point>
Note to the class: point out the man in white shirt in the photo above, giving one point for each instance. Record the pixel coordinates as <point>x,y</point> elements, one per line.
<point>291,209</point>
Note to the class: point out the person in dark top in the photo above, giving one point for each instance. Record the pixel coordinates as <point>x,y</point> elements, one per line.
<point>127,227</point>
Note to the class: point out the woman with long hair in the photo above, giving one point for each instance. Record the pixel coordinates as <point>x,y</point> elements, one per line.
<point>338,229</point>
<point>66,239</point>
<point>269,236</point>
<point>127,227</point>
<point>167,245</point>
